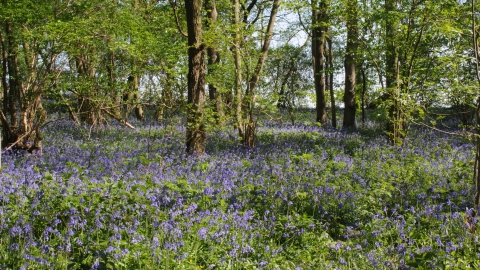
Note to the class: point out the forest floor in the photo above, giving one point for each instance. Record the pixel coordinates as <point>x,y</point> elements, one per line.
<point>306,197</point>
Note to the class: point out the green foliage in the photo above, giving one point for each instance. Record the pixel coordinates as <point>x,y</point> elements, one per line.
<point>320,198</point>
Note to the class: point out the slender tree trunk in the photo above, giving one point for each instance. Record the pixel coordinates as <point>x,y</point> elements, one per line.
<point>196,134</point>
<point>350,65</point>
<point>114,94</point>
<point>364,90</point>
<point>5,87</point>
<point>476,170</point>
<point>249,133</point>
<point>238,97</point>
<point>86,74</point>
<point>4,72</point>
<point>330,82</point>
<point>132,99</point>
<point>7,135</point>
<point>214,59</point>
<point>166,100</point>
<point>14,91</point>
<point>22,113</point>
<point>394,124</point>
<point>283,101</point>
<point>319,34</point>
<point>327,79</point>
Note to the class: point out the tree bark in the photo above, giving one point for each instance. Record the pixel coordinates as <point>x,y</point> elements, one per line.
<point>394,125</point>
<point>238,94</point>
<point>23,81</point>
<point>330,82</point>
<point>319,34</point>
<point>364,90</point>
<point>283,101</point>
<point>132,98</point>
<point>476,169</point>
<point>13,83</point>
<point>114,94</point>
<point>4,72</point>
<point>86,74</point>
<point>5,88</point>
<point>196,134</point>
<point>213,60</point>
<point>350,65</point>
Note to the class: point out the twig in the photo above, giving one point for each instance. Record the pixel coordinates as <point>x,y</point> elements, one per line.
<point>436,129</point>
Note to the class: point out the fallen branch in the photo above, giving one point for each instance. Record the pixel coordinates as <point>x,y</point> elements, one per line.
<point>119,119</point>
<point>17,142</point>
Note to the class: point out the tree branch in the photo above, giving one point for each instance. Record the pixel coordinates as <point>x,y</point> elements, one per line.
<point>247,10</point>
<point>174,6</point>
<point>119,119</point>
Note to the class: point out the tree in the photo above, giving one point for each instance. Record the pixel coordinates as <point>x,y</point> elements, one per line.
<point>238,92</point>
<point>288,71</point>
<point>330,81</point>
<point>350,64</point>
<point>476,171</point>
<point>248,133</point>
<point>319,36</point>
<point>196,134</point>
<point>245,103</point>
<point>410,43</point>
<point>213,60</point>
<point>394,124</point>
<point>28,58</point>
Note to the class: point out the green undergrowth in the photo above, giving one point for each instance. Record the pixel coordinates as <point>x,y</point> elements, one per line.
<point>305,198</point>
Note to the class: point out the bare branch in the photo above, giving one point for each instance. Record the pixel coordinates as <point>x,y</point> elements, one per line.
<point>303,25</point>
<point>174,6</point>
<point>119,119</point>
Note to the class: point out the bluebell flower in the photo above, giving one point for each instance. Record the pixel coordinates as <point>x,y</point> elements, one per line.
<point>15,231</point>
<point>96,264</point>
<point>276,251</point>
<point>247,249</point>
<point>202,233</point>
<point>439,241</point>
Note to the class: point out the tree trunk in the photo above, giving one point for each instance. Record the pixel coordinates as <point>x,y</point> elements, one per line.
<point>476,169</point>
<point>364,90</point>
<point>330,82</point>
<point>394,124</point>
<point>319,34</point>
<point>350,65</point>
<point>214,59</point>
<point>86,74</point>
<point>114,94</point>
<point>167,99</point>
<point>13,83</point>
<point>4,72</point>
<point>249,134</point>
<point>196,134</point>
<point>238,69</point>
<point>132,98</point>
<point>22,113</point>
<point>283,101</point>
